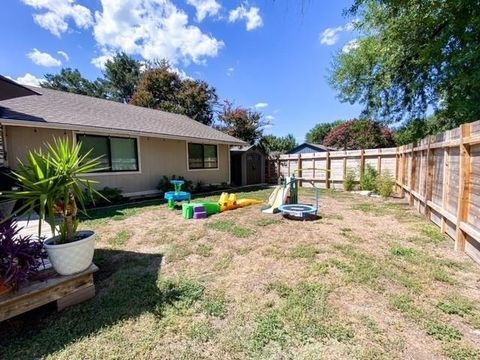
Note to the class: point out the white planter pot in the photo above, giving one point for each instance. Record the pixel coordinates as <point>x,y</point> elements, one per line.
<point>74,257</point>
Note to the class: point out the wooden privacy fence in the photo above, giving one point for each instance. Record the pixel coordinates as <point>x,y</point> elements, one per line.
<point>328,169</point>
<point>440,176</point>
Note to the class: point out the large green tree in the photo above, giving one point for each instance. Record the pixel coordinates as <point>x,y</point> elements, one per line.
<point>280,144</point>
<point>413,56</point>
<point>242,123</point>
<point>121,75</point>
<point>162,88</point>
<point>71,80</point>
<point>316,134</point>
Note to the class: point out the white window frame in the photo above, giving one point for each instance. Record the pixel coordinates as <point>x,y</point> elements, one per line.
<point>202,143</point>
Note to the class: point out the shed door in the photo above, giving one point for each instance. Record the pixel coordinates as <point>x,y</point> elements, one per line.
<point>254,171</point>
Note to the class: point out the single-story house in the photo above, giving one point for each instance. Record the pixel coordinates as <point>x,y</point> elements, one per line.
<point>247,165</point>
<point>306,148</point>
<point>138,145</point>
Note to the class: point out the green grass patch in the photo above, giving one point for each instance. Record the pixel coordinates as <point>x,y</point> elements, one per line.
<point>204,250</point>
<point>302,315</point>
<point>442,275</point>
<point>432,232</point>
<point>201,331</point>
<point>303,252</point>
<point>402,251</point>
<point>458,351</point>
<point>215,306</point>
<point>230,227</point>
<point>443,332</point>
<point>120,238</point>
<point>177,252</point>
<point>427,320</point>
<point>268,328</point>
<point>457,305</point>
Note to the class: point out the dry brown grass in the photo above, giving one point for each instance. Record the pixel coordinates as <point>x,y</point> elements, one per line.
<point>369,280</point>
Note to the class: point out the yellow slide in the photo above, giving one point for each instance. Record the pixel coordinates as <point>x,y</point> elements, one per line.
<point>276,199</point>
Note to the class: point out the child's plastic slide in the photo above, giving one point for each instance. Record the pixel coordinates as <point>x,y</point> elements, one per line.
<point>276,199</point>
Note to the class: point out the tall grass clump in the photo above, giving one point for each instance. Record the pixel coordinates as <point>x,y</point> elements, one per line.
<point>350,180</point>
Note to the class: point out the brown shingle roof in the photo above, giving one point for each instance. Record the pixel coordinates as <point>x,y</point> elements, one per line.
<point>67,110</point>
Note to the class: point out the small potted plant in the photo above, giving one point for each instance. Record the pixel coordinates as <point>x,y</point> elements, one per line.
<point>51,182</point>
<point>21,256</point>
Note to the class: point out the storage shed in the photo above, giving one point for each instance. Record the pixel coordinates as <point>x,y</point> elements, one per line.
<point>247,165</point>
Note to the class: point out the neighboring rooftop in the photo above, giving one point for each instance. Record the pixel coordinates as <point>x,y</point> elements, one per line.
<point>58,109</point>
<point>308,148</point>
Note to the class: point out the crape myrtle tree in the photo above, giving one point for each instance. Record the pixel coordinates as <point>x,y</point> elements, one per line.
<point>359,134</point>
<point>413,57</point>
<point>242,123</point>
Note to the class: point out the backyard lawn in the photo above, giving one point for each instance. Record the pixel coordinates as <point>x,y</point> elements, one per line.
<point>369,280</point>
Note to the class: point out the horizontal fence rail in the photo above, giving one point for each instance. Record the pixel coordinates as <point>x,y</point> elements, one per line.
<point>439,175</point>
<point>328,169</point>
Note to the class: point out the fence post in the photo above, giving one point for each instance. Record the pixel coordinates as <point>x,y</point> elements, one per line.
<point>379,161</point>
<point>463,186</point>
<point>328,170</point>
<point>362,163</point>
<point>412,170</point>
<point>299,168</point>
<point>446,178</point>
<point>429,177</point>
<point>344,166</point>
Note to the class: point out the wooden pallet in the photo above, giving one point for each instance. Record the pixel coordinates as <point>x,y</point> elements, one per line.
<point>64,290</point>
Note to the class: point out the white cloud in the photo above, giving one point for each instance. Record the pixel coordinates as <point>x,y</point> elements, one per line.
<point>57,13</point>
<point>230,71</point>
<point>28,79</point>
<point>261,105</point>
<point>100,61</point>
<point>270,117</point>
<point>252,16</point>
<point>330,36</point>
<point>153,29</point>
<point>350,46</point>
<point>205,8</point>
<point>64,54</point>
<point>43,58</point>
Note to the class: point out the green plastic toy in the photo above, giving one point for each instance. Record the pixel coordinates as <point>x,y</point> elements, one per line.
<point>211,208</point>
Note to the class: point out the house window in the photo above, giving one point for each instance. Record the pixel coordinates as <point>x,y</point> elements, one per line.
<point>117,153</point>
<point>202,156</point>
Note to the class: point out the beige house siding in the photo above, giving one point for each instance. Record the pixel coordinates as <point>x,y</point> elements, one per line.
<point>157,157</point>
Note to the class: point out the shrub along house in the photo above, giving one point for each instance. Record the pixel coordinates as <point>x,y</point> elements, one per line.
<point>138,145</point>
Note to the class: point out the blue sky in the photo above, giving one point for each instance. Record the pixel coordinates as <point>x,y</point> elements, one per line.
<point>267,53</point>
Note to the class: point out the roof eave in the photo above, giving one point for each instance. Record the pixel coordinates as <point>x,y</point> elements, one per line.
<point>63,126</point>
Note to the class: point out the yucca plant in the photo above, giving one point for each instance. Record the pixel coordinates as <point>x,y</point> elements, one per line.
<point>52,183</point>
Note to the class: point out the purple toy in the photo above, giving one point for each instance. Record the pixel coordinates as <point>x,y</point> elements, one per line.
<point>199,212</point>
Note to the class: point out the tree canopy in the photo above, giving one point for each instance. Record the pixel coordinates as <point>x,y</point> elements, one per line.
<point>359,134</point>
<point>71,80</point>
<point>413,56</point>
<point>280,144</point>
<point>121,74</point>
<point>162,88</point>
<point>242,123</point>
<point>316,134</point>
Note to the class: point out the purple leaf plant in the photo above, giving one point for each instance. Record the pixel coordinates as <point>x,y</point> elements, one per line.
<point>20,256</point>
